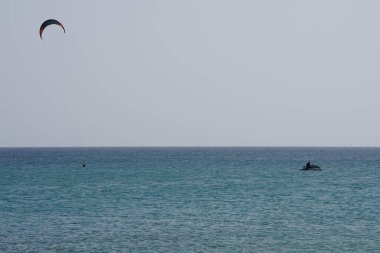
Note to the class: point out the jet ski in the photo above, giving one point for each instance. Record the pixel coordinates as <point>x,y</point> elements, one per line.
<point>311,167</point>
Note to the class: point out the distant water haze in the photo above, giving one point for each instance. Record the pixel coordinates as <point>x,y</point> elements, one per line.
<point>190,73</point>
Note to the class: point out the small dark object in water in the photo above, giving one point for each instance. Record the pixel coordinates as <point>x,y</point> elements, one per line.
<point>311,167</point>
<point>83,164</point>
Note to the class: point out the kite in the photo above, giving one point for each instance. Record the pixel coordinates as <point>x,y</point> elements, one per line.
<point>50,22</point>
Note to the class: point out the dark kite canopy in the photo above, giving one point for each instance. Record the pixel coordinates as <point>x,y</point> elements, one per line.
<point>50,22</point>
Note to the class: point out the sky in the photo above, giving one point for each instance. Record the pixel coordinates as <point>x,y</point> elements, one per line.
<point>190,73</point>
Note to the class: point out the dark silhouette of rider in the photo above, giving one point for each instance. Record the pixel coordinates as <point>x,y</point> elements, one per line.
<point>308,165</point>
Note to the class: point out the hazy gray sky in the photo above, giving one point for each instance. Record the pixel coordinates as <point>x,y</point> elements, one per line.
<point>199,72</point>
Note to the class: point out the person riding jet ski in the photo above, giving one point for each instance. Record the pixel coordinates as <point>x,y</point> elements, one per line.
<point>310,166</point>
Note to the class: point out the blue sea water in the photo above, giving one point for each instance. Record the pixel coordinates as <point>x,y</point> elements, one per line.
<point>189,200</point>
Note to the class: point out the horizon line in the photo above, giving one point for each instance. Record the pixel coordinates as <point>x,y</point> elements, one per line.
<point>190,146</point>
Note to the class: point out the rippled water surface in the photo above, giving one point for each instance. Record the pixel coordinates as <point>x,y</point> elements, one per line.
<point>189,200</point>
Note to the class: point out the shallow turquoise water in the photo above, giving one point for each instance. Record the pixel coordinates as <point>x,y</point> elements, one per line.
<point>189,200</point>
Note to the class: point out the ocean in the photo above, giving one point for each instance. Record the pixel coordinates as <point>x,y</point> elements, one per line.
<point>189,200</point>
